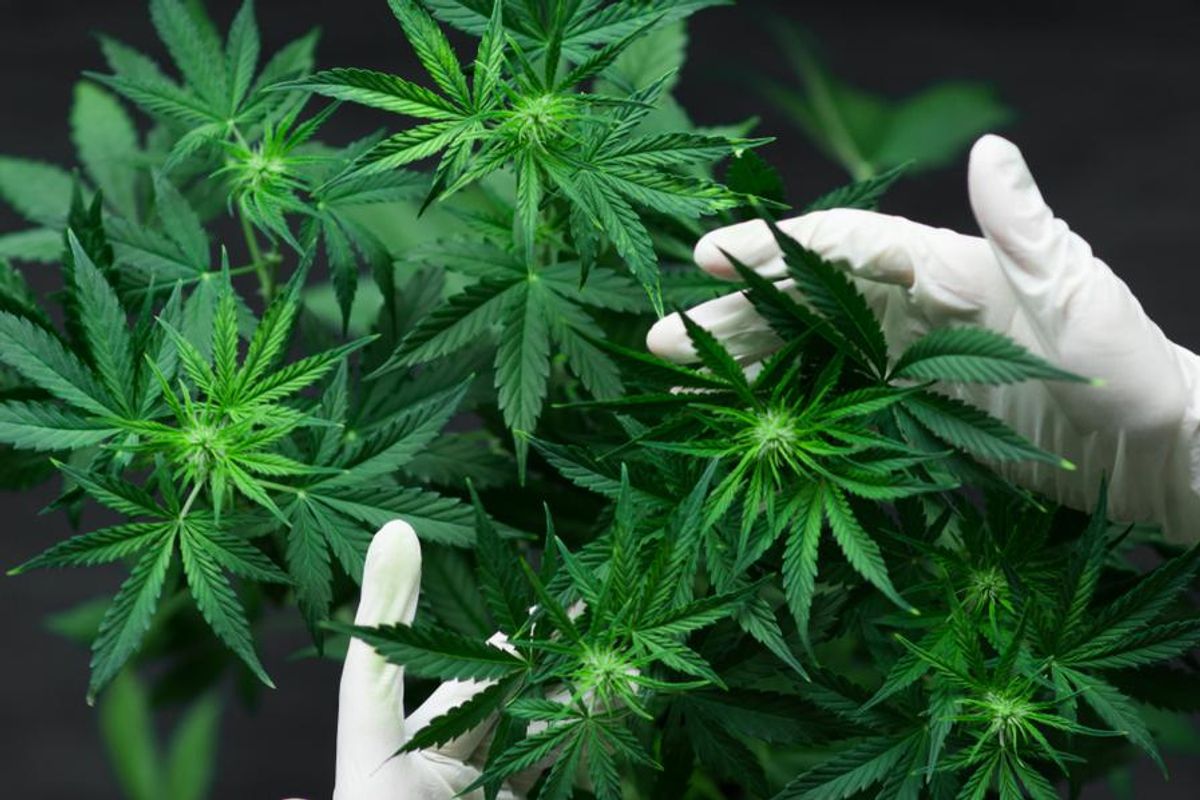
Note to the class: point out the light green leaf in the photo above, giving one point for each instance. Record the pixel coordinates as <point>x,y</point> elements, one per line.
<point>41,193</point>
<point>107,142</point>
<point>40,245</point>
<point>934,126</point>
<point>191,758</point>
<point>127,729</point>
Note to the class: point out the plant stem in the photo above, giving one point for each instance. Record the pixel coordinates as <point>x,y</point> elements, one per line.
<point>266,282</point>
<point>837,133</point>
<point>187,504</point>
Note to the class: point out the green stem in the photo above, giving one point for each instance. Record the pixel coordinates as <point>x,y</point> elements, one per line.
<point>266,282</point>
<point>837,133</point>
<point>187,504</point>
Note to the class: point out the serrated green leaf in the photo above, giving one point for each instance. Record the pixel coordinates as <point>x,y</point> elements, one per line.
<point>800,560</point>
<point>522,360</point>
<point>1116,710</point>
<point>435,517</point>
<point>309,565</point>
<point>974,431</point>
<point>43,359</point>
<point>128,617</point>
<point>863,194</point>
<point>107,143</point>
<point>39,192</point>
<point>46,427</point>
<point>378,90</point>
<point>859,548</point>
<point>849,771</point>
<point>193,47</point>
<point>973,355</point>
<point>104,323</point>
<point>217,601</point>
<point>459,720</point>
<point>181,223</point>
<point>400,438</point>
<point>436,653</point>
<point>836,298</point>
<point>242,49</point>
<point>433,50</point>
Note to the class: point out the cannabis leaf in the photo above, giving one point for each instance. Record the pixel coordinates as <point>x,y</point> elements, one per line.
<point>219,93</point>
<point>973,355</point>
<point>559,142</point>
<point>349,492</point>
<point>225,436</point>
<point>207,551</point>
<point>535,313</point>
<point>102,387</point>
<point>170,391</point>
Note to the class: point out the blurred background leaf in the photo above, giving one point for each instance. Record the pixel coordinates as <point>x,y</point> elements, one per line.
<point>866,133</point>
<point>144,771</point>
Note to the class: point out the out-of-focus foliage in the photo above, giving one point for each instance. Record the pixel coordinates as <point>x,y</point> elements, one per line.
<point>866,133</point>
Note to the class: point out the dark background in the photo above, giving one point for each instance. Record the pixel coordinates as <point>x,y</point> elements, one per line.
<point>1109,118</point>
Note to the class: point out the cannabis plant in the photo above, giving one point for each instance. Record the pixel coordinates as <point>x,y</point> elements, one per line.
<point>793,578</point>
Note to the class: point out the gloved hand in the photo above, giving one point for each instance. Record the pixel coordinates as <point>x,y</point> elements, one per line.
<point>1032,279</point>
<point>372,724</point>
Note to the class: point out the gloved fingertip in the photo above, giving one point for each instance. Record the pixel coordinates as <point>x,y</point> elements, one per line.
<point>709,253</point>
<point>750,242</point>
<point>1008,204</point>
<point>1003,192</point>
<point>391,576</point>
<point>995,154</point>
<point>668,339</point>
<point>392,546</point>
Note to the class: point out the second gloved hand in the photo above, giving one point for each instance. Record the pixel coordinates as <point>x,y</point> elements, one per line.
<point>372,724</point>
<point>1032,279</point>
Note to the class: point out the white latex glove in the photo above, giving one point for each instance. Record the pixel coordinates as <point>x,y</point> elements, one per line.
<point>372,724</point>
<point>1032,279</point>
